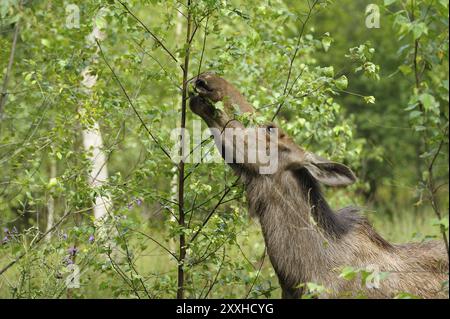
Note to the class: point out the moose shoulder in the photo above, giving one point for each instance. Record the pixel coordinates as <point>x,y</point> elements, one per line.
<point>306,240</point>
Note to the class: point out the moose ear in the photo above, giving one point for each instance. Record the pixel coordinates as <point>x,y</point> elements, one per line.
<point>327,172</point>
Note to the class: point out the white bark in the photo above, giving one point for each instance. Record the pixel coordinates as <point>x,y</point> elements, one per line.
<point>51,201</point>
<point>98,176</point>
<point>174,171</point>
<point>174,181</point>
<point>92,138</point>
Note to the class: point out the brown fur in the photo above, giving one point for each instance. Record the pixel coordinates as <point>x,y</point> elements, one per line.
<point>306,240</point>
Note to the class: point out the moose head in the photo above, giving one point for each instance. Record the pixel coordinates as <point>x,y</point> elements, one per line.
<point>208,89</point>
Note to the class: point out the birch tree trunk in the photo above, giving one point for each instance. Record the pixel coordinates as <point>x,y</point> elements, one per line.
<point>174,171</point>
<point>51,201</point>
<point>92,137</point>
<point>93,144</point>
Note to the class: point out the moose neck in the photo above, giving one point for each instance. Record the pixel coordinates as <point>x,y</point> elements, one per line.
<point>300,229</point>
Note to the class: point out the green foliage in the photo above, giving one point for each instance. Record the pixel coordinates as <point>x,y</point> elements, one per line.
<point>345,82</point>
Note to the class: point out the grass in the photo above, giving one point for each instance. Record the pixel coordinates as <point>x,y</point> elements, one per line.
<point>33,277</point>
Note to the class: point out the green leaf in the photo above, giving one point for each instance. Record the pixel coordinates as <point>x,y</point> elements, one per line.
<point>348,273</point>
<point>342,83</point>
<point>405,69</point>
<point>428,101</point>
<point>45,43</point>
<point>415,114</point>
<point>419,29</point>
<point>369,99</point>
<point>326,42</point>
<point>328,71</point>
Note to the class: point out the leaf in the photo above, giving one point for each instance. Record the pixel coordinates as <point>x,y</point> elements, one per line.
<point>326,42</point>
<point>419,29</point>
<point>415,114</point>
<point>342,83</point>
<point>45,43</point>
<point>328,71</point>
<point>369,99</point>
<point>411,107</point>
<point>428,101</point>
<point>348,273</point>
<point>405,69</point>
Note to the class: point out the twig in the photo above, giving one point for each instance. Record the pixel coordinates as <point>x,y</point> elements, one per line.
<point>130,102</point>
<point>217,274</point>
<point>150,32</point>
<point>213,211</point>
<point>203,47</point>
<point>156,242</point>
<point>257,274</point>
<point>291,65</point>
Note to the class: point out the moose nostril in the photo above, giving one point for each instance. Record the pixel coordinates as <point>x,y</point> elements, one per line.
<point>202,84</point>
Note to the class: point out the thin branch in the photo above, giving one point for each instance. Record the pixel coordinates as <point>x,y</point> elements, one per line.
<point>217,274</point>
<point>203,47</point>
<point>156,242</point>
<point>257,274</point>
<point>130,102</point>
<point>291,65</point>
<point>149,32</point>
<point>213,211</point>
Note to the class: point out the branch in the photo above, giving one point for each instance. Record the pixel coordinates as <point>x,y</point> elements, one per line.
<point>130,102</point>
<point>291,65</point>
<point>150,32</point>
<point>217,274</point>
<point>203,47</point>
<point>213,210</point>
<point>156,242</point>
<point>257,274</point>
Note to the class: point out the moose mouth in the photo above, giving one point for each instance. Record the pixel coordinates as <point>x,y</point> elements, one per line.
<point>201,105</point>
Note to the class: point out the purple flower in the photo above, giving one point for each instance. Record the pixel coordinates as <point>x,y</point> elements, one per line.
<point>72,251</point>
<point>6,231</point>
<point>91,239</point>
<point>5,240</point>
<point>130,205</point>
<point>64,236</point>
<point>138,201</point>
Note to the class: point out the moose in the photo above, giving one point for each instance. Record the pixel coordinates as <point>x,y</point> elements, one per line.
<point>305,239</point>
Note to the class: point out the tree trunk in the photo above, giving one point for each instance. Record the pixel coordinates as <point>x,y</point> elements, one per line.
<point>92,138</point>
<point>51,201</point>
